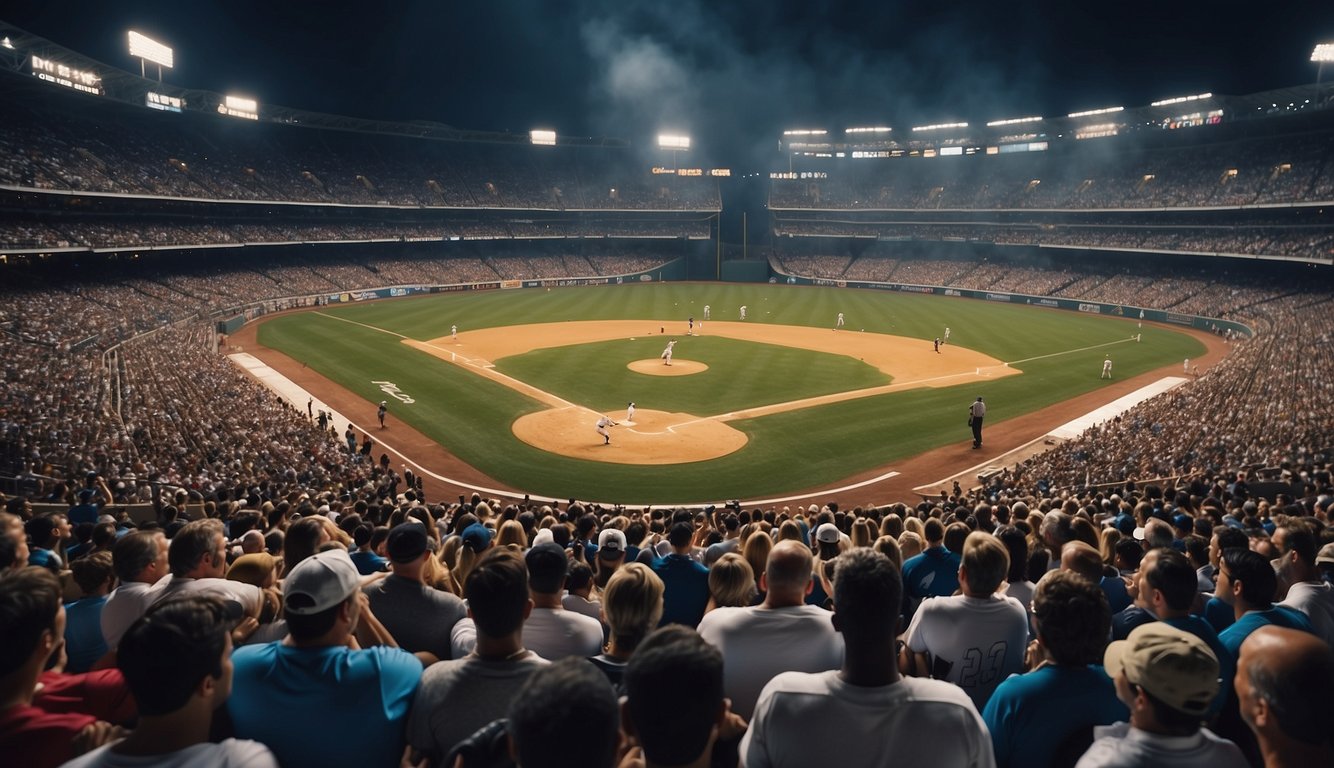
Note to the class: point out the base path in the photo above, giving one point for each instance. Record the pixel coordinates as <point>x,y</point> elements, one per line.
<point>675,438</point>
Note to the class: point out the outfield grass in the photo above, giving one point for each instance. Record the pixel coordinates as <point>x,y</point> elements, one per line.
<point>790,451</point>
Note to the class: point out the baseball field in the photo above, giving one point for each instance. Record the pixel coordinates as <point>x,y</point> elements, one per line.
<point>779,402</point>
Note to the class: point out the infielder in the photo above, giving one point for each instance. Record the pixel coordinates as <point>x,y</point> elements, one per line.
<point>630,412</point>
<point>603,423</point>
<point>937,345</point>
<point>706,311</point>
<point>667,353</point>
<point>454,331</point>
<point>1106,368</point>
<point>690,328</point>
<point>384,408</point>
<point>839,323</point>
<point>946,340</point>
<point>743,311</point>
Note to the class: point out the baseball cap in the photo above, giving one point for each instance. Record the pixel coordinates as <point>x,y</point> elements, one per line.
<point>406,542</point>
<point>1175,667</point>
<point>1326,555</point>
<point>543,536</point>
<point>320,582</point>
<point>612,542</point>
<point>477,536</point>
<point>252,569</point>
<point>827,533</point>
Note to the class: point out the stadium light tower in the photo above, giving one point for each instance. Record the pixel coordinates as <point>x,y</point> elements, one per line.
<point>1322,55</point>
<point>677,142</point>
<point>147,49</point>
<point>544,138</point>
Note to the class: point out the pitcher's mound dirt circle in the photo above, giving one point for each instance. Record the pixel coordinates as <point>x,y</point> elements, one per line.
<point>655,437</point>
<point>655,367</point>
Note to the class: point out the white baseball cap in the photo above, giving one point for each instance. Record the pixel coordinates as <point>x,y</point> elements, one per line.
<point>320,582</point>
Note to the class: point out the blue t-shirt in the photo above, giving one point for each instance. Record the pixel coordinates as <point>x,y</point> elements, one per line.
<point>83,633</point>
<point>44,558</point>
<point>933,573</point>
<point>317,707</point>
<point>1219,614</point>
<point>1030,716</point>
<point>1118,598</point>
<point>1278,615</point>
<point>368,562</point>
<point>686,589</point>
<point>1227,665</point>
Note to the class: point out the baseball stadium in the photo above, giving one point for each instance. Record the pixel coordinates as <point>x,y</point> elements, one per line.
<point>1095,345</point>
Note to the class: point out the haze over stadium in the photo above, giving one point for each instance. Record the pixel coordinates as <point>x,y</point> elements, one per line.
<point>416,381</point>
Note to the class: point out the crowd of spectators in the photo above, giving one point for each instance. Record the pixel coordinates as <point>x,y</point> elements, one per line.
<point>1248,171</point>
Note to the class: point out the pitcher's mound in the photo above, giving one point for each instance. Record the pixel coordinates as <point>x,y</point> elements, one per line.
<point>655,367</point>
<point>656,437</point>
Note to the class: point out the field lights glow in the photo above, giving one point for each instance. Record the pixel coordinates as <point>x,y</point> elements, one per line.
<point>806,132</point>
<point>1323,53</point>
<point>868,130</point>
<point>543,138</point>
<point>939,126</point>
<point>1103,111</point>
<point>1181,99</point>
<point>149,49</point>
<point>1014,121</point>
<point>668,141</point>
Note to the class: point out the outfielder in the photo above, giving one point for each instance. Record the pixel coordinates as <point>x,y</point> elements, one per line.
<point>454,331</point>
<point>839,322</point>
<point>667,353</point>
<point>630,412</point>
<point>603,423</point>
<point>706,311</point>
<point>1106,368</point>
<point>743,311</point>
<point>946,340</point>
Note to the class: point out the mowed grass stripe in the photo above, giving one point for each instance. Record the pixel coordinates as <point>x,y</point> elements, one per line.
<point>788,451</point>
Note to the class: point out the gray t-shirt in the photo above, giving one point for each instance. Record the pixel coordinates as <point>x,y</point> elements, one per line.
<point>419,617</point>
<point>458,697</point>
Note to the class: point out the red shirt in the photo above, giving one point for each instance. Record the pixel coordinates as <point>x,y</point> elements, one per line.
<point>102,694</point>
<point>35,738</point>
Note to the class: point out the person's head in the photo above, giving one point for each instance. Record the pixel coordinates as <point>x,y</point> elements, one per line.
<point>1056,530</point>
<point>1297,548</point>
<point>33,618</point>
<point>756,550</point>
<point>985,563</point>
<point>408,547</point>
<point>955,535</point>
<point>497,589</point>
<point>632,604</point>
<point>1157,533</point>
<point>674,695</point>
<point>1225,537</point>
<point>199,550</point>
<point>1283,681</point>
<point>1127,554</point>
<point>934,532</point>
<point>1246,578</point>
<point>731,581</point>
<point>1016,543</point>
<point>140,556</point>
<point>787,573</point>
<point>548,566</point>
<point>93,573</point>
<point>1083,560</point>
<point>565,714</point>
<point>320,598</point>
<point>511,533</point>
<point>259,569</point>
<point>1166,677</point>
<point>44,531</point>
<point>304,538</point>
<point>868,590</point>
<point>680,537</point>
<point>1072,618</point>
<point>1165,583</point>
<point>910,544</point>
<point>178,652</point>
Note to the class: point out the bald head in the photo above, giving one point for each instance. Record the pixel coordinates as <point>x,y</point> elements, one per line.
<point>1283,678</point>
<point>787,574</point>
<point>1083,560</point>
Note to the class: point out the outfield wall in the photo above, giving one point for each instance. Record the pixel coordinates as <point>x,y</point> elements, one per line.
<point>1211,324</point>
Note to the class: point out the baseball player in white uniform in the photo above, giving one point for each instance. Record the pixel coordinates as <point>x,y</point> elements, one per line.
<point>630,412</point>
<point>454,331</point>
<point>839,323</point>
<point>706,311</point>
<point>743,311</point>
<point>667,353</point>
<point>946,340</point>
<point>603,423</point>
<point>1106,368</point>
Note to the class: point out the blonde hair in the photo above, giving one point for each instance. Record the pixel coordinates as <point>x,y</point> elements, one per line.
<point>756,551</point>
<point>1110,537</point>
<point>511,532</point>
<point>732,582</point>
<point>986,562</point>
<point>914,525</point>
<point>889,547</point>
<point>632,604</point>
<point>910,544</point>
<point>861,533</point>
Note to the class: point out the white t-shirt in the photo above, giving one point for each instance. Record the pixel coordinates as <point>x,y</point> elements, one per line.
<point>982,640</point>
<point>805,720</point>
<point>229,753</point>
<point>248,595</point>
<point>1121,746</point>
<point>1317,602</point>
<point>759,643</point>
<point>590,608</point>
<point>555,634</point>
<point>123,607</point>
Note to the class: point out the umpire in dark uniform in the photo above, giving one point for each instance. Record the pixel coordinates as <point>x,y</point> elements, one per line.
<point>976,412</point>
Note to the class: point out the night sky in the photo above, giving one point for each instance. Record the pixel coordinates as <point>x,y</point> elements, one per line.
<point>732,73</point>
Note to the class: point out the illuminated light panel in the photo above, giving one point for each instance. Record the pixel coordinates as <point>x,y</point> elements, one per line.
<point>670,141</point>
<point>1323,53</point>
<point>806,132</point>
<point>868,130</point>
<point>149,49</point>
<point>939,126</point>
<point>1182,99</point>
<point>1103,111</point>
<point>542,138</point>
<point>1014,121</point>
<point>239,106</point>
